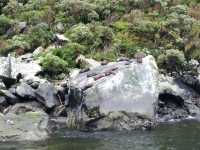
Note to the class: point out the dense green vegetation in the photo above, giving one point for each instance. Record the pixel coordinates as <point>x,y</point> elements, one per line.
<point>102,29</point>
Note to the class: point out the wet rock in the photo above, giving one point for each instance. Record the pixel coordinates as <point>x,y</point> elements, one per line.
<point>60,111</point>
<point>132,89</point>
<point>176,100</point>
<point>25,91</point>
<point>104,62</point>
<point>139,56</point>
<point>24,123</point>
<point>8,82</point>
<point>33,84</point>
<point>175,87</point>
<point>60,27</point>
<point>192,82</point>
<point>3,103</point>
<point>122,59</point>
<point>121,121</point>
<point>84,70</point>
<point>2,100</point>
<point>2,85</point>
<point>61,93</point>
<point>87,63</point>
<point>166,97</point>
<point>11,98</point>
<point>75,97</point>
<point>38,51</point>
<point>61,39</point>
<point>46,94</point>
<point>21,27</point>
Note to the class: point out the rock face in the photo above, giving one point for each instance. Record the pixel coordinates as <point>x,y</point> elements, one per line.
<point>25,91</point>
<point>23,123</point>
<point>46,94</point>
<point>10,67</point>
<point>125,86</point>
<point>87,63</point>
<point>177,101</point>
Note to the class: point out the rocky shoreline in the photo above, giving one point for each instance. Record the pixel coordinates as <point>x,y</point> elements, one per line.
<point>123,95</point>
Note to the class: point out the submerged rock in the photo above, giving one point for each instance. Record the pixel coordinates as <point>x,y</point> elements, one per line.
<point>131,88</point>
<point>24,123</point>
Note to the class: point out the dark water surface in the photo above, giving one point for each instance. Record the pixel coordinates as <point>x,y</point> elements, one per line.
<point>180,136</point>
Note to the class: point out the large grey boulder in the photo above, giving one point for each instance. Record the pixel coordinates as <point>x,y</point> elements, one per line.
<point>11,67</point>
<point>24,123</point>
<point>126,86</point>
<point>46,94</point>
<point>25,91</point>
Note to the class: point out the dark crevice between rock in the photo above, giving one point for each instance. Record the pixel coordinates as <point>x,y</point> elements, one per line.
<point>191,81</point>
<point>171,107</point>
<point>169,98</point>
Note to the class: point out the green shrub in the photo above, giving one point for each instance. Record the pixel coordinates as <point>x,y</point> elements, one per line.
<point>40,35</point>
<point>179,9</point>
<point>69,53</point>
<point>20,41</point>
<point>93,16</point>
<point>3,3</point>
<point>125,44</point>
<point>121,25</point>
<point>145,27</point>
<point>5,47</point>
<point>172,60</point>
<point>80,11</point>
<point>5,24</point>
<point>103,37</point>
<point>81,34</point>
<point>107,55</point>
<point>53,64</point>
<point>12,8</point>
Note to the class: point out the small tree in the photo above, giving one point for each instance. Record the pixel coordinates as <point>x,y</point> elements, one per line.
<point>173,60</point>
<point>53,64</point>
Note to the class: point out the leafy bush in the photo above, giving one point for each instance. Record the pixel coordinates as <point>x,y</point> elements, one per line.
<point>92,36</point>
<point>173,60</point>
<point>121,25</point>
<point>107,55</point>
<point>5,24</point>
<point>3,4</point>
<point>69,53</point>
<point>103,37</point>
<point>79,11</point>
<point>40,35</point>
<point>145,27</point>
<point>81,34</point>
<point>20,41</point>
<point>53,64</point>
<point>5,47</point>
<point>12,8</point>
<point>126,45</point>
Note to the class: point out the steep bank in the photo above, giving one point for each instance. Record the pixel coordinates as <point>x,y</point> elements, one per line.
<point>122,95</point>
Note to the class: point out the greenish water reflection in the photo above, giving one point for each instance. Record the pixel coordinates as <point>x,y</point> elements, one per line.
<point>181,136</point>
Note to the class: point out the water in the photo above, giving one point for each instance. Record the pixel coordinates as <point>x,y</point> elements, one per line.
<point>182,136</point>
